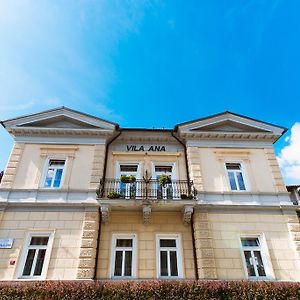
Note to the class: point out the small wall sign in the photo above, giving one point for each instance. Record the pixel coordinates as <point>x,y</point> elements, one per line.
<point>6,243</point>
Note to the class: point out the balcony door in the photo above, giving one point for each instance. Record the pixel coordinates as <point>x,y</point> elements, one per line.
<point>164,191</point>
<point>129,190</point>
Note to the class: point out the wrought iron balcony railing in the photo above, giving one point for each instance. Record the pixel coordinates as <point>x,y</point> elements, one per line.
<point>146,189</point>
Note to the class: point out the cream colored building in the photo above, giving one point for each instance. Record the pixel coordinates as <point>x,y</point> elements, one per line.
<point>82,198</point>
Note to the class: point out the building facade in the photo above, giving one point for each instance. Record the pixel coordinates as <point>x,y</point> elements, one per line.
<point>82,198</point>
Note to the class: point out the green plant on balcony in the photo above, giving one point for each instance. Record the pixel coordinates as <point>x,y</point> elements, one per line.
<point>128,179</point>
<point>164,179</point>
<point>113,195</point>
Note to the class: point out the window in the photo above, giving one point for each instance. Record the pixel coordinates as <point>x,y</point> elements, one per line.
<point>36,255</point>
<point>253,257</point>
<point>169,256</point>
<point>123,263</point>
<point>235,176</point>
<point>129,191</point>
<point>54,173</point>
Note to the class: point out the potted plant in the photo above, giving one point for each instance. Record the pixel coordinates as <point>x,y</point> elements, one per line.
<point>164,179</point>
<point>113,195</point>
<point>128,179</point>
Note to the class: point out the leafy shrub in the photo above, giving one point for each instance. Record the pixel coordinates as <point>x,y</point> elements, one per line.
<point>113,195</point>
<point>128,179</point>
<point>149,290</point>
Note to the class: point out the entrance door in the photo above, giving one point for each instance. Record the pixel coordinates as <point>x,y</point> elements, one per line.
<point>163,191</point>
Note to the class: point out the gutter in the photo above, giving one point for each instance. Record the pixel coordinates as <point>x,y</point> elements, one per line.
<point>101,193</point>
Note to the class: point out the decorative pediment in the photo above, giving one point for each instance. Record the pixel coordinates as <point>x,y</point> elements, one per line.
<point>229,125</point>
<point>59,122</point>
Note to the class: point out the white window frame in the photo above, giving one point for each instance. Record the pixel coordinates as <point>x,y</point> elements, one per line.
<point>45,171</point>
<point>25,250</point>
<point>116,236</point>
<point>244,174</point>
<point>179,255</point>
<point>265,256</point>
<point>129,163</point>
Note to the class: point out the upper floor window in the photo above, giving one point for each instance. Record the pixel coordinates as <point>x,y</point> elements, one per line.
<point>168,256</point>
<point>36,255</point>
<point>54,173</point>
<point>123,256</point>
<point>253,257</point>
<point>235,176</point>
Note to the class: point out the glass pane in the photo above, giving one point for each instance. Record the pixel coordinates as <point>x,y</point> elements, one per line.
<point>250,242</point>
<point>39,262</point>
<point>249,263</point>
<point>118,263</point>
<point>173,263</point>
<point>240,179</point>
<point>28,263</point>
<point>124,242</point>
<point>259,263</point>
<point>167,243</point>
<point>128,168</point>
<point>128,263</point>
<point>232,166</point>
<point>58,176</point>
<point>163,264</point>
<point>39,240</point>
<point>232,181</point>
<point>49,176</point>
<point>165,169</point>
<point>56,162</point>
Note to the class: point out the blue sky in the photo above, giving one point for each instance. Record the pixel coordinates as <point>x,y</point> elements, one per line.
<point>154,63</point>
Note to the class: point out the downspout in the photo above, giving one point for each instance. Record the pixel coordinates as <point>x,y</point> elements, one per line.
<point>194,248</point>
<point>185,154</point>
<point>192,219</point>
<point>100,222</point>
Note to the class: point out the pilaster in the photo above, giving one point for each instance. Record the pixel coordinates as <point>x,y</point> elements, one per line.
<point>204,246</point>
<point>12,166</point>
<point>97,169</point>
<point>194,165</point>
<point>293,224</point>
<point>87,256</point>
<point>275,171</point>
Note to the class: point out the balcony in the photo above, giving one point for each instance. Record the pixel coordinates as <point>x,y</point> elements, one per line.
<point>143,189</point>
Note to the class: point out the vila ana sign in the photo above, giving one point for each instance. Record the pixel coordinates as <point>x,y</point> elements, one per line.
<point>145,148</point>
<point>6,243</point>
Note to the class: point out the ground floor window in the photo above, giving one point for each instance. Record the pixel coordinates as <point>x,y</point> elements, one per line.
<point>36,255</point>
<point>123,256</point>
<point>169,256</point>
<point>254,257</point>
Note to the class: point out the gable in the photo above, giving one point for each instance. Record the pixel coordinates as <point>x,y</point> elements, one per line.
<point>228,122</point>
<point>60,122</point>
<point>229,126</point>
<point>59,118</point>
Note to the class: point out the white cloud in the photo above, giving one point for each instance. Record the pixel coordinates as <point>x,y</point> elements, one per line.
<point>289,156</point>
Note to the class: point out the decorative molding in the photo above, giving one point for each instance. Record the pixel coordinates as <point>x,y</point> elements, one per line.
<point>187,214</point>
<point>194,165</point>
<point>104,213</point>
<point>147,214</point>
<point>223,154</point>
